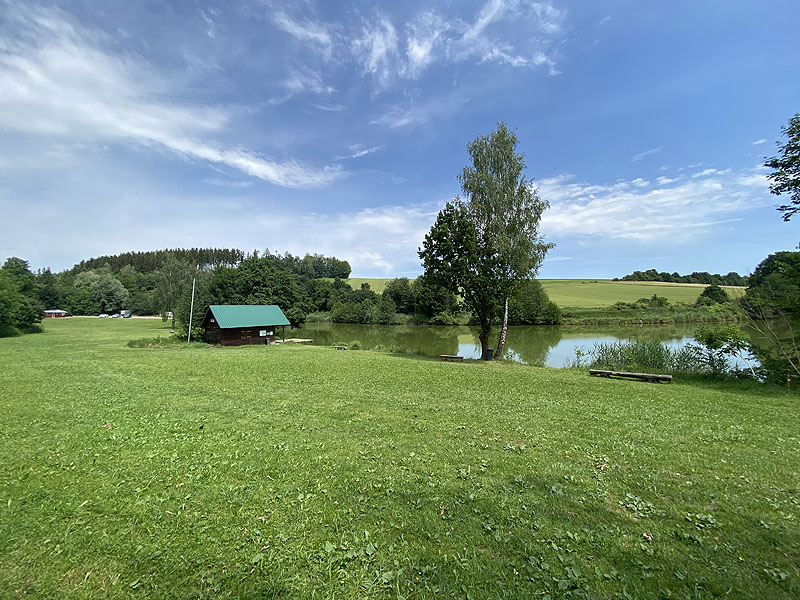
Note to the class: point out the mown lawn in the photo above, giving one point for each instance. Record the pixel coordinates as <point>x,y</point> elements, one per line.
<point>593,293</point>
<point>303,472</point>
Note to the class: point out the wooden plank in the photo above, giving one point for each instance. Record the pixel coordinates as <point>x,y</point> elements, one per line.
<point>653,377</point>
<point>451,357</point>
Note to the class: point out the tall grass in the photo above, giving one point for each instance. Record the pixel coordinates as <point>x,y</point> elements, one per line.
<point>647,355</point>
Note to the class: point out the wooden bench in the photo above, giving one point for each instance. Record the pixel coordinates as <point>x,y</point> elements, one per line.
<point>652,378</point>
<point>340,347</point>
<point>451,357</point>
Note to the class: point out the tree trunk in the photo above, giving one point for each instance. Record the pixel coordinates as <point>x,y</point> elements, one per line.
<point>501,343</point>
<point>483,336</point>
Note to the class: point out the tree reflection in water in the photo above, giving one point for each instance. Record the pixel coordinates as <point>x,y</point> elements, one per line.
<point>534,345</point>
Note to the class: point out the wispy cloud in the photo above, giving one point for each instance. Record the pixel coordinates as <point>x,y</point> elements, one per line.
<point>666,180</point>
<point>376,49</point>
<point>476,41</point>
<point>357,151</point>
<point>227,183</point>
<point>646,153</point>
<point>57,82</point>
<point>413,113</point>
<point>330,107</point>
<point>302,81</point>
<point>707,172</point>
<point>675,210</point>
<point>313,32</point>
<point>759,142</point>
<point>517,33</point>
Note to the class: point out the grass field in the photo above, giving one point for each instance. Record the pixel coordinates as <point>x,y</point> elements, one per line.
<point>303,472</point>
<point>594,293</point>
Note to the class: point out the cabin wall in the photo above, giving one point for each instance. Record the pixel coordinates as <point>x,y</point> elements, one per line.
<point>213,335</point>
<point>246,336</point>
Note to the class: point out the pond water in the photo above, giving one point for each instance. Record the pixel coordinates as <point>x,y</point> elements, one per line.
<point>534,345</point>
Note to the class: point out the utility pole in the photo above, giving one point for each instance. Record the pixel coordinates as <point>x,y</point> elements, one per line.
<point>191,306</point>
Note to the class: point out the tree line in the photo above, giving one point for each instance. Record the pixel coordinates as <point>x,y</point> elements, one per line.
<point>145,283</point>
<point>703,277</point>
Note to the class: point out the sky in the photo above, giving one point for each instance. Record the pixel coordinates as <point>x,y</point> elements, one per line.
<point>340,127</point>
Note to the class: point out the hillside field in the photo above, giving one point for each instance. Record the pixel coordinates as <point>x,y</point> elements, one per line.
<point>189,471</point>
<point>594,293</point>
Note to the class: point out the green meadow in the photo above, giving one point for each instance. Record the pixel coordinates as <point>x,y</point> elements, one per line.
<point>593,293</point>
<point>187,471</point>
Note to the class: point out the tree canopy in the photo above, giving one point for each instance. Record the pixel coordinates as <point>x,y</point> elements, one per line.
<point>785,176</point>
<point>20,307</point>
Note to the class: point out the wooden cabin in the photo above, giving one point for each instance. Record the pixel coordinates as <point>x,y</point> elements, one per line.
<point>242,324</point>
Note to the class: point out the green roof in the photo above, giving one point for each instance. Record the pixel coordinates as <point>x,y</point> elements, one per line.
<point>247,315</point>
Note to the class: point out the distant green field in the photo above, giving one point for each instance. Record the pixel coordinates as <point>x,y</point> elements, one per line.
<point>376,284</point>
<point>591,293</point>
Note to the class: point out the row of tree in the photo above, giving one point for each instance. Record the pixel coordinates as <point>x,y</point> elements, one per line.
<point>154,282</point>
<point>703,277</point>
<point>153,260</point>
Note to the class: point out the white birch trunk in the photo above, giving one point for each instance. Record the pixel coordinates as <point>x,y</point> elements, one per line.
<point>501,343</point>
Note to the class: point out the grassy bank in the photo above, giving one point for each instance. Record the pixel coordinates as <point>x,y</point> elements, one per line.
<point>271,472</point>
<point>650,316</point>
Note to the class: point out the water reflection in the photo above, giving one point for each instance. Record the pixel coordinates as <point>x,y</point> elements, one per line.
<point>535,345</point>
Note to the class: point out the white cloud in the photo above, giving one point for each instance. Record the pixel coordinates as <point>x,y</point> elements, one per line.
<point>211,26</point>
<point>642,155</point>
<point>56,82</point>
<point>417,114</point>
<point>357,151</point>
<point>518,33</point>
<point>475,42</point>
<point>330,107</point>
<point>759,142</point>
<point>376,49</point>
<point>423,42</point>
<point>626,210</point>
<point>227,183</point>
<point>707,172</point>
<point>302,81</point>
<point>666,180</point>
<point>313,32</point>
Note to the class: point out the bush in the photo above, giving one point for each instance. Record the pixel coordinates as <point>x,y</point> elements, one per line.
<point>711,295</point>
<point>531,306</point>
<point>444,318</point>
<point>8,330</point>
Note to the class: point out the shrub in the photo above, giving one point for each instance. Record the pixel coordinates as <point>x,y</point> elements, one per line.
<point>444,318</point>
<point>711,295</point>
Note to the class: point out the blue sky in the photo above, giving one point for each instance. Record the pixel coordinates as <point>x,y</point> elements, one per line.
<point>340,127</point>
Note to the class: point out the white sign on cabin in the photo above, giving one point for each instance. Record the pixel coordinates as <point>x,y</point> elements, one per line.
<point>262,332</point>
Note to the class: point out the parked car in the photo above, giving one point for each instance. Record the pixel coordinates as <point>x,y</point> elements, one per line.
<point>102,316</point>
<point>125,314</point>
<point>115,316</point>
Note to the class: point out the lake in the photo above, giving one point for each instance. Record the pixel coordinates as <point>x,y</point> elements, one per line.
<point>535,345</point>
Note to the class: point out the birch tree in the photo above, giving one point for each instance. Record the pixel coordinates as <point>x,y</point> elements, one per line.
<point>482,246</point>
